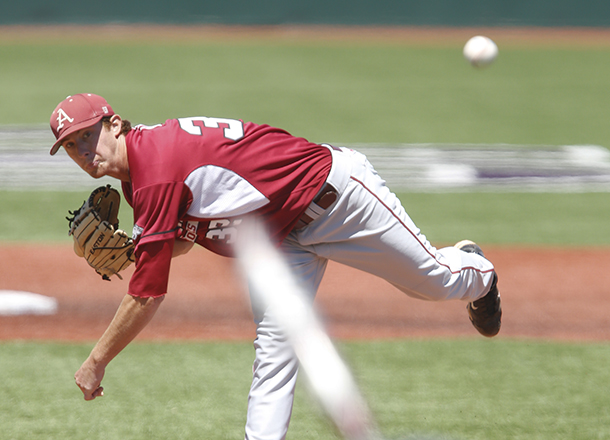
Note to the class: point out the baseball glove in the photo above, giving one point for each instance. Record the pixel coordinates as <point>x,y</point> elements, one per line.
<point>97,237</point>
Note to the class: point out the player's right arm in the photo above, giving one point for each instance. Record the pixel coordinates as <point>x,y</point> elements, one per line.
<point>132,316</point>
<point>134,313</point>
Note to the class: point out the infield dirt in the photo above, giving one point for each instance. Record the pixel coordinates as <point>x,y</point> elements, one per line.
<point>547,293</point>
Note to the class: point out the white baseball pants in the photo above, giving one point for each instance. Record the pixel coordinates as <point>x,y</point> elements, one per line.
<point>367,228</point>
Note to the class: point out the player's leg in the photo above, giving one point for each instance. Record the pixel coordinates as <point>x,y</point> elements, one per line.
<point>272,389</point>
<point>370,230</point>
<point>275,367</point>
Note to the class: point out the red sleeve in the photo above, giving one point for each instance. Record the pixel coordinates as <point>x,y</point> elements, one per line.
<point>157,209</point>
<point>151,276</point>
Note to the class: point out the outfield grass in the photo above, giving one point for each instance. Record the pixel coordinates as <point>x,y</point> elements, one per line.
<point>325,91</point>
<point>457,389</point>
<point>491,218</point>
<point>40,216</point>
<point>337,92</point>
<point>513,218</point>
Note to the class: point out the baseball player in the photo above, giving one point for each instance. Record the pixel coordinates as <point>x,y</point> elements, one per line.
<point>193,180</point>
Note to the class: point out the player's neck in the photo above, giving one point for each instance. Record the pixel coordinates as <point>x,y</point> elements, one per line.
<point>121,169</point>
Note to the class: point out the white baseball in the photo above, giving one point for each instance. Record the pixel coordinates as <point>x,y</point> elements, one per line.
<point>480,51</point>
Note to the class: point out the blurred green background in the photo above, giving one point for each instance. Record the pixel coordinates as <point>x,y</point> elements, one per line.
<point>387,90</point>
<point>327,91</point>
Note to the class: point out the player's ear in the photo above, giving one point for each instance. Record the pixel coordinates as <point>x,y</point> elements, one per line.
<point>115,125</point>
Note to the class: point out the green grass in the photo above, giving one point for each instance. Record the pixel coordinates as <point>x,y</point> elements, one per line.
<point>491,218</point>
<point>457,389</point>
<point>343,93</point>
<point>487,389</point>
<point>337,92</point>
<point>40,216</point>
<point>513,218</point>
<point>327,92</point>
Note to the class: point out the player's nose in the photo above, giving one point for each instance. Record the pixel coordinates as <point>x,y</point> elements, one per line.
<point>83,149</point>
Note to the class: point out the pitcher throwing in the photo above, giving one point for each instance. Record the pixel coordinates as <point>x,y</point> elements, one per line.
<point>193,180</point>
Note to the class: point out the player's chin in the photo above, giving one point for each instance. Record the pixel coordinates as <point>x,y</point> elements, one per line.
<point>94,171</point>
<point>95,174</point>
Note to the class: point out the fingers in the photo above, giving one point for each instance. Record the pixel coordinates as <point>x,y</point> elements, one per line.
<point>89,380</point>
<point>90,394</point>
<point>97,393</point>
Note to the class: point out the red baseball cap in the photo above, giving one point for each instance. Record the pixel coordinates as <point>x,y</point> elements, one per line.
<point>75,113</point>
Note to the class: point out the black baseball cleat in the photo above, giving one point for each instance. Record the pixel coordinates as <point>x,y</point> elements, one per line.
<point>485,313</point>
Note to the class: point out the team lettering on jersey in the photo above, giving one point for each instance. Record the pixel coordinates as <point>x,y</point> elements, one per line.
<point>137,231</point>
<point>187,230</point>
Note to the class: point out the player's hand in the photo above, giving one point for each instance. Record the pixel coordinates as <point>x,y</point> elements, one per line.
<point>89,379</point>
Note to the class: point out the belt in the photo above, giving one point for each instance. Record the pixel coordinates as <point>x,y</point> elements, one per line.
<point>326,197</point>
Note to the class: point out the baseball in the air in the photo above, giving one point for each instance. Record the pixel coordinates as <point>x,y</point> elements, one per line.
<point>480,51</point>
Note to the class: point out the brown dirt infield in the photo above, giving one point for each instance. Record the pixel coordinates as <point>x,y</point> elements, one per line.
<point>547,293</point>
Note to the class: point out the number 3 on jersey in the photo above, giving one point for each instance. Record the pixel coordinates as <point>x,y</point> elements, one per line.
<point>224,230</point>
<point>232,128</point>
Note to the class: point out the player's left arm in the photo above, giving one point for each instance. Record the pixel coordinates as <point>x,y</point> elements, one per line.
<point>133,314</point>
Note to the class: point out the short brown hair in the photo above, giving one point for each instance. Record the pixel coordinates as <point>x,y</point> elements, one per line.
<point>125,125</point>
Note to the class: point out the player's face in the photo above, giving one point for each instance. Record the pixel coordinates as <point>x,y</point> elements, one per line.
<point>96,150</point>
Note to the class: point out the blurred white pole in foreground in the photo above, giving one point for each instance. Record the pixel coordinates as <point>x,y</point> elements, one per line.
<point>272,284</point>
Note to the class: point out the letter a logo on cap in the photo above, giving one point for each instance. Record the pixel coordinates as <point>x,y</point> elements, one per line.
<point>61,118</point>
